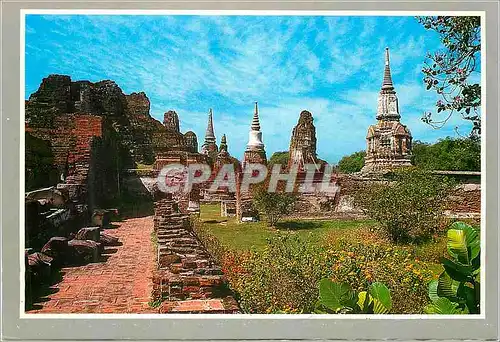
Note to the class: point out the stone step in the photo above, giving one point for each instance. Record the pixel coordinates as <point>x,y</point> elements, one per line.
<point>213,306</point>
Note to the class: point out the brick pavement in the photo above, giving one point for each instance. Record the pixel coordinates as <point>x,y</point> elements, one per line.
<point>120,284</point>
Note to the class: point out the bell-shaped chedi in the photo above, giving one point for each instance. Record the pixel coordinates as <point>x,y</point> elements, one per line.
<point>255,152</point>
<point>303,142</point>
<point>388,141</point>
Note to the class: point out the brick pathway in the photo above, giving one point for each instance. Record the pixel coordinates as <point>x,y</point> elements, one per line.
<point>121,284</point>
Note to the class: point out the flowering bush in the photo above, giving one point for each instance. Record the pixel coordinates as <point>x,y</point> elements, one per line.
<point>360,264</point>
<point>283,278</point>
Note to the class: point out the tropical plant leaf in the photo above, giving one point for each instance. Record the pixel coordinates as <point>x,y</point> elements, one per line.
<point>380,292</point>
<point>364,301</point>
<point>443,306</point>
<point>457,271</point>
<point>469,295</point>
<point>472,239</point>
<point>349,300</point>
<point>447,287</point>
<point>379,307</point>
<point>331,293</point>
<point>433,290</point>
<point>457,245</point>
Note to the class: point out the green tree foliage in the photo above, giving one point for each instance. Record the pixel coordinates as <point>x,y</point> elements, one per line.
<point>40,170</point>
<point>448,154</point>
<point>457,290</point>
<point>448,72</point>
<point>279,158</point>
<point>410,207</point>
<point>352,163</point>
<point>274,205</point>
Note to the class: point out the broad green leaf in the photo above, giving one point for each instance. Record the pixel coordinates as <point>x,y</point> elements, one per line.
<point>331,293</point>
<point>447,287</point>
<point>433,288</point>
<point>472,239</point>
<point>364,301</point>
<point>457,245</point>
<point>443,306</point>
<point>349,300</point>
<point>457,271</point>
<point>379,307</point>
<point>381,292</point>
<point>469,295</point>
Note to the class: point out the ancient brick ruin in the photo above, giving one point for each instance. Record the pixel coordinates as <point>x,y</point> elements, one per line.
<point>95,134</point>
<point>303,143</point>
<point>186,271</point>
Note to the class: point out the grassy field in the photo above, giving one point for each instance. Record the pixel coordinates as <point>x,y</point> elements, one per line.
<point>254,235</point>
<point>248,235</point>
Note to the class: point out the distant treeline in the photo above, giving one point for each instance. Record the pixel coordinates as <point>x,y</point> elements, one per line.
<point>449,154</point>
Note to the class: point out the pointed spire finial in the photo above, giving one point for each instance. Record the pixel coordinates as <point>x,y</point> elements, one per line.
<point>255,120</point>
<point>209,133</point>
<point>387,83</point>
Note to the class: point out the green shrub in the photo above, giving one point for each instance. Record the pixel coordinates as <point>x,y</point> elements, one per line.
<point>410,208</point>
<point>283,277</point>
<point>274,205</point>
<point>457,291</point>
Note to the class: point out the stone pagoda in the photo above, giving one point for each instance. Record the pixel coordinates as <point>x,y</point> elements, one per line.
<point>255,152</point>
<point>388,141</point>
<point>209,147</point>
<point>303,142</point>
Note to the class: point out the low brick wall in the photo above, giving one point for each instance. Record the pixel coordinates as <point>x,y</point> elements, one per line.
<point>186,271</point>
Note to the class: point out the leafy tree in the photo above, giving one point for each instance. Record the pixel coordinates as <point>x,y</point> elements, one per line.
<point>279,158</point>
<point>448,71</point>
<point>410,207</point>
<point>274,205</point>
<point>463,154</point>
<point>352,163</point>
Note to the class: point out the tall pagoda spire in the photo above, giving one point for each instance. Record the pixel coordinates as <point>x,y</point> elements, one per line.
<point>209,146</point>
<point>255,120</point>
<point>388,108</point>
<point>387,83</point>
<point>209,133</point>
<point>255,152</point>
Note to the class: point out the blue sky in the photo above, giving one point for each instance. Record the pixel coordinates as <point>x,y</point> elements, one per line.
<point>329,65</point>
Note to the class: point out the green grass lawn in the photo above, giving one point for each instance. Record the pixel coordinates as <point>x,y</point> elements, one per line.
<point>248,235</point>
<point>253,235</point>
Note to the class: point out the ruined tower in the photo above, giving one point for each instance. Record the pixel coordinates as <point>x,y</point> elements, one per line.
<point>303,142</point>
<point>255,152</point>
<point>191,141</point>
<point>388,141</point>
<point>209,147</point>
<point>172,138</point>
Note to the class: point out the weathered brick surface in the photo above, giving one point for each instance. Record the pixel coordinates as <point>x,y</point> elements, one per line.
<point>188,279</point>
<point>121,284</point>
